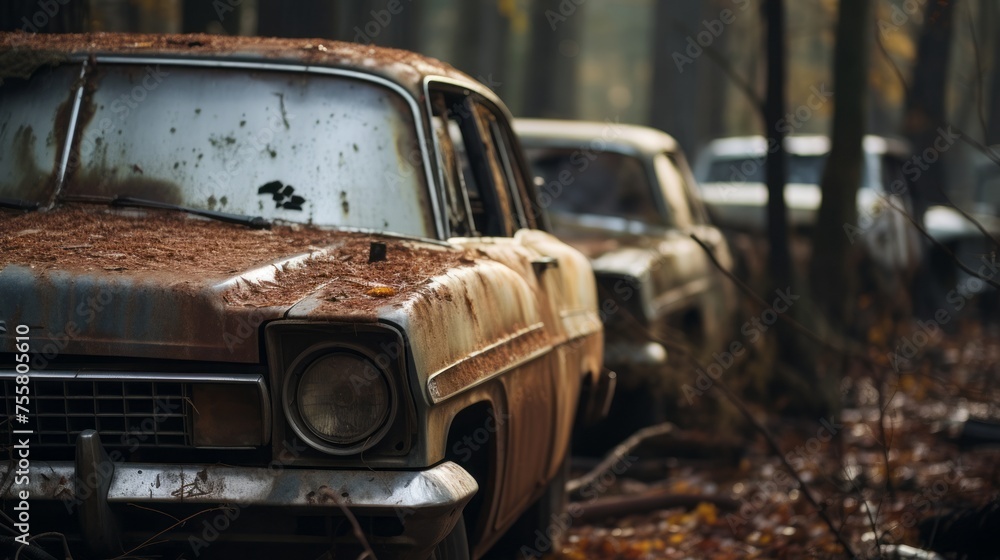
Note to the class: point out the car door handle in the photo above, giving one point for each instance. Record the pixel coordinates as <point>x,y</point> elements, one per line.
<point>541,264</point>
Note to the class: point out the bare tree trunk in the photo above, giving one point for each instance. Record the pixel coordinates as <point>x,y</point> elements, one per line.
<point>675,81</point>
<point>802,387</point>
<point>481,40</point>
<point>550,87</point>
<point>834,278</point>
<point>989,12</point>
<point>779,258</point>
<point>925,103</point>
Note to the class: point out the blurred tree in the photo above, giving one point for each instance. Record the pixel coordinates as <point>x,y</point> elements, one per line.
<point>833,275</point>
<point>779,257</point>
<point>925,103</point>
<point>308,18</point>
<point>481,39</point>
<point>136,16</point>
<point>211,17</point>
<point>34,16</point>
<point>800,385</point>
<point>550,88</point>
<point>675,82</point>
<point>386,23</point>
<point>991,13</point>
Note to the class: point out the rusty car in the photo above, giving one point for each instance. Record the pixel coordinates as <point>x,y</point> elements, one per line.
<point>624,196</point>
<point>276,295</point>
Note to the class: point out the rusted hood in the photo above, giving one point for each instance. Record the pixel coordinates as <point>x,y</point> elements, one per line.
<point>151,284</point>
<point>472,309</point>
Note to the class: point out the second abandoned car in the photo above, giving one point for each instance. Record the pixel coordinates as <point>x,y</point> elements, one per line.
<point>623,195</point>
<point>268,282</point>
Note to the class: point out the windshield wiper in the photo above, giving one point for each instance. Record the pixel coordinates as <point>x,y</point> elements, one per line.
<point>255,222</point>
<point>18,204</point>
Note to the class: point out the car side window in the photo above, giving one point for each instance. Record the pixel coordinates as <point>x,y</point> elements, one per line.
<point>454,179</point>
<point>698,213</point>
<point>471,168</point>
<point>495,164</point>
<point>501,140</point>
<point>674,191</point>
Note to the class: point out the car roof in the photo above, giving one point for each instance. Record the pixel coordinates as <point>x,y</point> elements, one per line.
<point>21,53</point>
<point>614,136</point>
<point>806,145</point>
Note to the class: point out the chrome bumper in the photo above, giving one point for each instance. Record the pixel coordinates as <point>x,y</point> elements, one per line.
<point>426,503</point>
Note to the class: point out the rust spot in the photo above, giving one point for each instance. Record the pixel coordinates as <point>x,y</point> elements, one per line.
<point>381,292</point>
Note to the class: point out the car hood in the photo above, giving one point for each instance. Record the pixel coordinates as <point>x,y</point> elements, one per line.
<point>612,251</point>
<point>151,284</point>
<point>648,259</point>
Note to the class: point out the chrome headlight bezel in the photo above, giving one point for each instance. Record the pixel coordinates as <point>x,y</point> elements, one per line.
<point>302,427</point>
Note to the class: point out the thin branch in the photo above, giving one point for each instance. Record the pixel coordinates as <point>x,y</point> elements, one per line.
<point>715,56</point>
<point>872,520</point>
<point>825,342</point>
<point>178,523</point>
<point>769,437</point>
<point>940,245</point>
<point>979,146</point>
<point>985,150</point>
<point>966,215</point>
<point>355,526</point>
<point>615,455</point>
<point>772,442</point>
<point>886,443</point>
<point>62,537</point>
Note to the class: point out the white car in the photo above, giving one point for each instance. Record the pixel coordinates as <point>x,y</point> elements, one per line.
<point>731,175</point>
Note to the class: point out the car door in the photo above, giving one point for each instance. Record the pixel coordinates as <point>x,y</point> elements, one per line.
<point>567,280</point>
<point>702,280</point>
<point>483,180</point>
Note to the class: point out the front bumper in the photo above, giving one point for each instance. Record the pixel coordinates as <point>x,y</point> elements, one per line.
<point>403,514</point>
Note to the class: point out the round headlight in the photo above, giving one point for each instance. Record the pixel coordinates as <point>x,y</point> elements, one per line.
<point>342,398</point>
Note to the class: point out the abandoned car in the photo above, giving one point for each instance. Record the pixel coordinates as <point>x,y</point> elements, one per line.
<point>731,174</point>
<point>624,196</point>
<point>288,291</point>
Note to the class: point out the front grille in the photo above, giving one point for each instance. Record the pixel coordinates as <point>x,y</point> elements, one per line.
<point>126,413</point>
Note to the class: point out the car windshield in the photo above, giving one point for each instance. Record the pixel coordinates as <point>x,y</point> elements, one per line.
<point>297,147</point>
<point>805,170</point>
<point>802,170</point>
<point>601,184</point>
